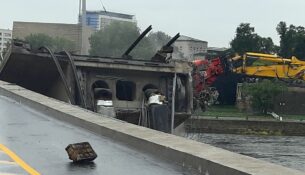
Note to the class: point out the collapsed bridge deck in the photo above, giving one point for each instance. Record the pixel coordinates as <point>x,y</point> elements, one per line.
<point>159,152</point>
<point>41,140</point>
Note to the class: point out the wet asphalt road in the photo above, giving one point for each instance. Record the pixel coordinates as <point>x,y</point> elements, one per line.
<point>288,151</point>
<point>41,140</point>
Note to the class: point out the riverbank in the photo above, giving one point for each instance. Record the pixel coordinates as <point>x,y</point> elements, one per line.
<point>231,111</point>
<point>236,125</point>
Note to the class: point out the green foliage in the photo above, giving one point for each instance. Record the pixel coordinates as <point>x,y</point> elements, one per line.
<point>38,40</point>
<point>56,44</point>
<point>158,39</point>
<point>60,44</point>
<point>246,40</point>
<point>263,93</point>
<point>265,45</point>
<point>115,38</point>
<point>292,40</point>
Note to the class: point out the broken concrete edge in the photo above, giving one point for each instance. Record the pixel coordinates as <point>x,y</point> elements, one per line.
<point>187,153</point>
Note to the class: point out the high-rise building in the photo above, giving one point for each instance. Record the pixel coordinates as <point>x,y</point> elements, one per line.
<point>5,37</point>
<point>99,19</point>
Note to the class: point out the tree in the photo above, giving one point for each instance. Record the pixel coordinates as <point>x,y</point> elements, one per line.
<point>56,44</point>
<point>158,39</point>
<point>284,43</point>
<point>292,41</point>
<point>246,40</point>
<point>266,45</point>
<point>38,40</point>
<point>60,44</point>
<point>263,93</point>
<point>115,38</point>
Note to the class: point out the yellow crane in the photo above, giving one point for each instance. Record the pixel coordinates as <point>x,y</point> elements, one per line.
<point>267,65</point>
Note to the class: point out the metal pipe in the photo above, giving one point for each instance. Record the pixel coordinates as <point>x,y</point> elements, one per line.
<point>80,12</point>
<point>82,98</point>
<point>61,74</point>
<point>173,40</point>
<point>136,42</point>
<point>173,104</point>
<point>84,9</point>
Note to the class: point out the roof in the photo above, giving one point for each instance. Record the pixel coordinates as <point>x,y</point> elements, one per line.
<point>187,38</point>
<point>112,14</point>
<point>6,30</point>
<point>218,49</point>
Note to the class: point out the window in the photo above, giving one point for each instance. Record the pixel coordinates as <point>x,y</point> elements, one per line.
<point>88,21</point>
<point>7,39</point>
<point>101,90</point>
<point>7,34</point>
<point>125,90</point>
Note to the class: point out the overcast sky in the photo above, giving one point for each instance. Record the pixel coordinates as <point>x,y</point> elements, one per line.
<point>214,21</point>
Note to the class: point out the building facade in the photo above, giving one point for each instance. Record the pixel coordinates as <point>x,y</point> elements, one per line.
<point>216,50</point>
<point>99,19</point>
<point>189,48</point>
<point>5,37</point>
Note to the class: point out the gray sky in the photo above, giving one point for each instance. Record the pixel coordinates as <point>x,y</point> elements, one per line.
<point>214,21</point>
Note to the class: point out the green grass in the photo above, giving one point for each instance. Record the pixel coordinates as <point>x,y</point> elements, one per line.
<point>232,111</point>
<point>221,111</point>
<point>294,117</point>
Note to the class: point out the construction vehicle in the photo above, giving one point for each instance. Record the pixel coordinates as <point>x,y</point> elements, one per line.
<point>204,75</point>
<point>248,67</point>
<point>256,66</point>
<point>269,66</point>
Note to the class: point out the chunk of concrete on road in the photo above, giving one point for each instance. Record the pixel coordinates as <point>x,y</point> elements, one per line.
<point>81,152</point>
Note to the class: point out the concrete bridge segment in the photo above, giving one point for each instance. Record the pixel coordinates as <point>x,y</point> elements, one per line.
<point>193,156</point>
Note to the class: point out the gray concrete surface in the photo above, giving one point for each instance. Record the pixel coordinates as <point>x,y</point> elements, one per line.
<point>7,165</point>
<point>204,158</point>
<point>41,140</point>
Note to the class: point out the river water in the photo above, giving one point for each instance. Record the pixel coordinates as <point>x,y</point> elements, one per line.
<point>287,151</point>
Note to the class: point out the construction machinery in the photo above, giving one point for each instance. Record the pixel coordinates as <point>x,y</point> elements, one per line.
<point>255,66</point>
<point>245,68</point>
<point>204,75</point>
<point>269,66</point>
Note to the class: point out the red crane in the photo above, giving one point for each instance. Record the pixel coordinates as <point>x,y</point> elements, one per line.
<point>205,73</point>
